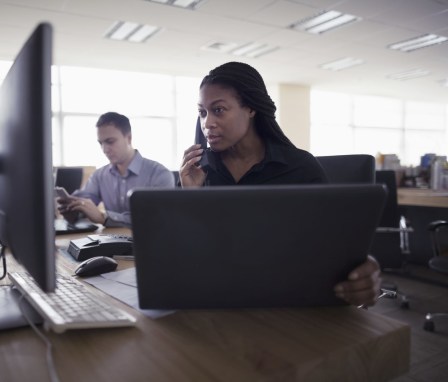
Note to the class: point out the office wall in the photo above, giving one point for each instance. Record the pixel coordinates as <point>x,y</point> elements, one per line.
<point>293,102</point>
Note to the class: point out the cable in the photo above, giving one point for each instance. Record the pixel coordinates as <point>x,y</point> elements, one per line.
<point>49,353</point>
<point>3,257</point>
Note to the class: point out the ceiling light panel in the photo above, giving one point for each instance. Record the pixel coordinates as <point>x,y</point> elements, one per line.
<point>219,46</point>
<point>254,50</point>
<point>129,31</point>
<point>187,4</point>
<point>324,22</point>
<point>143,33</point>
<point>120,30</point>
<point>343,63</point>
<point>418,43</point>
<point>409,74</point>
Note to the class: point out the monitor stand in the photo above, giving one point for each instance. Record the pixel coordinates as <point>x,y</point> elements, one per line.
<point>11,315</point>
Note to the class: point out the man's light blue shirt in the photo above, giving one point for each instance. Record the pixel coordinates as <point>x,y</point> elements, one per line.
<point>107,185</point>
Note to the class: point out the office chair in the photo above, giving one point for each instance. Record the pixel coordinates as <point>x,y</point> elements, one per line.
<point>352,168</point>
<point>439,262</point>
<point>69,177</point>
<point>360,168</point>
<point>391,241</point>
<point>176,178</point>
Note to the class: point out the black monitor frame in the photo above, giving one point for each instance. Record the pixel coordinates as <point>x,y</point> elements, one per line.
<point>26,175</point>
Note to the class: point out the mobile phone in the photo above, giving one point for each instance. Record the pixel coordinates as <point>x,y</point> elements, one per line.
<point>200,139</point>
<point>61,192</point>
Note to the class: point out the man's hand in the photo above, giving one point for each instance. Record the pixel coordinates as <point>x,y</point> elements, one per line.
<point>72,207</point>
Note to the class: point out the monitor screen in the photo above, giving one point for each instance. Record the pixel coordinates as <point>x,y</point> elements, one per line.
<point>69,177</point>
<point>26,175</point>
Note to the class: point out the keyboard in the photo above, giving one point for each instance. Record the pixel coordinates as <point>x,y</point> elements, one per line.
<point>71,306</point>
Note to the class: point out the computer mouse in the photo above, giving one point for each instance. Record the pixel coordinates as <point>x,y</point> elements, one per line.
<point>95,266</point>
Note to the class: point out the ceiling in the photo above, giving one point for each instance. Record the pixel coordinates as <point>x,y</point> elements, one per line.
<point>178,49</point>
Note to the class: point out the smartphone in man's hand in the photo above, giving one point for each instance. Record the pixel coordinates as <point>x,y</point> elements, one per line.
<point>61,192</point>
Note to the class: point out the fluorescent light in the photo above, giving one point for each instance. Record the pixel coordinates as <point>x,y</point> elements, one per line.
<point>317,20</point>
<point>339,21</point>
<point>219,46</point>
<point>341,64</point>
<point>253,50</point>
<point>120,30</point>
<point>187,4</point>
<point>184,3</point>
<point>409,74</point>
<point>128,31</point>
<point>143,33</point>
<point>418,43</point>
<point>324,22</point>
<point>262,50</point>
<point>246,49</point>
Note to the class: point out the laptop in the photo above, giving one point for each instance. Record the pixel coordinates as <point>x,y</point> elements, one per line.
<point>250,247</point>
<point>63,227</point>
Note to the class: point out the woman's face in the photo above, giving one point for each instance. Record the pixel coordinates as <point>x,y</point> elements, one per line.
<point>224,121</point>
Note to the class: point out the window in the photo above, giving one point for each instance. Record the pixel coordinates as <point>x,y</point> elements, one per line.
<point>163,112</point>
<point>377,112</point>
<point>161,109</point>
<point>342,123</point>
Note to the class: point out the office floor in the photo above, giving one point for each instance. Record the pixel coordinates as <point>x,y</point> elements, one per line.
<point>428,349</point>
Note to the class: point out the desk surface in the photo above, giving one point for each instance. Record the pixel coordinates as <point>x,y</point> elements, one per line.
<point>422,197</point>
<point>312,344</point>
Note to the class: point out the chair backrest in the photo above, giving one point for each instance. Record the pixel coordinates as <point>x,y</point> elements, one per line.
<point>360,168</point>
<point>352,168</point>
<point>391,215</point>
<point>176,178</point>
<point>439,241</point>
<point>69,177</point>
<point>439,237</point>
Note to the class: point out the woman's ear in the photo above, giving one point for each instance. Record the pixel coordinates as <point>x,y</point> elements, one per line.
<point>252,113</point>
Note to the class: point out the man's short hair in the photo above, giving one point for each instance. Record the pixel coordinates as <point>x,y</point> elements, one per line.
<point>120,121</point>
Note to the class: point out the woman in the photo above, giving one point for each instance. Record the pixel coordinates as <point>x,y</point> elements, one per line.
<point>248,147</point>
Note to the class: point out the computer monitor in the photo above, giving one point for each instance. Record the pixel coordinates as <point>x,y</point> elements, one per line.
<point>26,174</point>
<point>69,177</point>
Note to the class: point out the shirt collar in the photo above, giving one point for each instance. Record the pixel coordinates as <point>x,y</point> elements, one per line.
<point>273,153</point>
<point>134,167</point>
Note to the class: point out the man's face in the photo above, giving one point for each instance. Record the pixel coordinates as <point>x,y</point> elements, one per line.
<point>116,146</point>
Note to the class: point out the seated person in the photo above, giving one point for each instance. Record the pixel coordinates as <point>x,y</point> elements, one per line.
<point>110,184</point>
<point>248,147</point>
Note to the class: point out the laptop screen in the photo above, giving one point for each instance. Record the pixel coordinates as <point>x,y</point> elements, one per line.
<point>240,247</point>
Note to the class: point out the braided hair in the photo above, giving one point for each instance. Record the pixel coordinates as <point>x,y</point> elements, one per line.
<point>250,87</point>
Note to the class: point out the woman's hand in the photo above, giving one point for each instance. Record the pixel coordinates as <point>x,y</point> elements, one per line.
<point>190,173</point>
<point>363,284</point>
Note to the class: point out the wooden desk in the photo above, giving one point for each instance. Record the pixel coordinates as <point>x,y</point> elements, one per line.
<point>423,198</point>
<point>313,344</point>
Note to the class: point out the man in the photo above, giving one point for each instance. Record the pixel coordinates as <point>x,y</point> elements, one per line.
<point>110,184</point>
